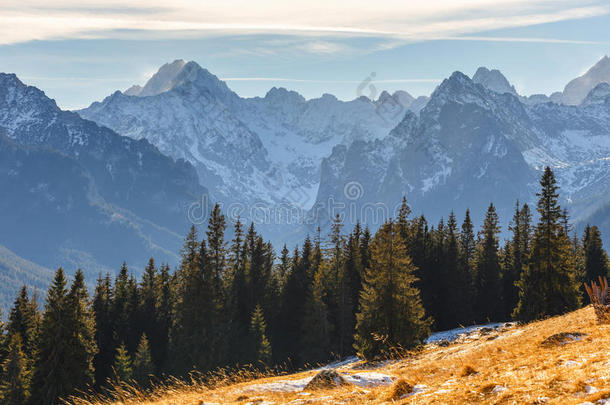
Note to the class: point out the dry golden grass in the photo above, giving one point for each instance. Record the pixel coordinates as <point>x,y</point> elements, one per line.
<point>507,368</point>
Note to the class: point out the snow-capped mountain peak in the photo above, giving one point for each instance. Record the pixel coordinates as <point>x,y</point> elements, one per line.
<point>493,80</point>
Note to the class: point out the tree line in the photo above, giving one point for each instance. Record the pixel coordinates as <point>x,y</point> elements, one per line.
<point>232,303</point>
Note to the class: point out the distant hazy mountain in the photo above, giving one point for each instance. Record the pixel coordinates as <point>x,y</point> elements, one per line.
<point>259,152</point>
<point>79,195</point>
<point>493,80</point>
<point>576,90</point>
<point>473,141</point>
<point>16,272</point>
<point>470,146</point>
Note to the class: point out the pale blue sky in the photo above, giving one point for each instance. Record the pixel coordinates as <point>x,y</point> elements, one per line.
<point>81,53</point>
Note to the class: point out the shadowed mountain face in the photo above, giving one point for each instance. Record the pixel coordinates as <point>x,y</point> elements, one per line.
<point>470,143</point>
<point>471,146</point>
<point>80,195</point>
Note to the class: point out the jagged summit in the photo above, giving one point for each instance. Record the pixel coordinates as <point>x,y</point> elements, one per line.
<point>160,82</point>
<point>493,80</point>
<point>576,90</point>
<point>180,74</point>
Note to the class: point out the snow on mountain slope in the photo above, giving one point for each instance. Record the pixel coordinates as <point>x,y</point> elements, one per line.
<point>105,197</point>
<point>263,150</point>
<point>470,146</point>
<point>473,141</point>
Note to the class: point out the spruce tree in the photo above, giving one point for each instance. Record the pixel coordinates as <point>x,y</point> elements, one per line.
<point>194,313</point>
<point>596,259</point>
<point>261,348</point>
<point>488,288</point>
<point>391,313</point>
<point>14,389</point>
<point>24,319</point>
<point>468,247</point>
<point>143,367</point>
<point>457,284</point>
<point>514,260</point>
<point>123,310</point>
<point>123,369</point>
<point>293,304</point>
<point>148,296</point>
<point>52,372</point>
<point>237,299</point>
<point>548,285</point>
<point>82,340</point>
<point>420,251</point>
<point>102,312</point>
<point>317,333</point>
<point>165,317</point>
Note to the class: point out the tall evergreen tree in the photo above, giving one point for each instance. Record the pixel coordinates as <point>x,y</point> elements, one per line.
<point>548,285</point>
<point>66,346</point>
<point>457,285</point>
<point>24,320</point>
<point>123,368</point>
<point>82,340</point>
<point>195,314</point>
<point>596,259</point>
<point>261,348</point>
<point>102,312</point>
<point>165,318</point>
<point>515,255</point>
<point>14,389</point>
<point>143,367</point>
<point>488,288</point>
<point>391,313</point>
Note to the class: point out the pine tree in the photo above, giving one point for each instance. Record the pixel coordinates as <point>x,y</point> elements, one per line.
<point>468,247</point>
<point>513,263</point>
<point>237,299</point>
<point>420,250</point>
<point>596,259</point>
<point>195,311</point>
<point>52,373</point>
<point>165,317</point>
<point>123,369</point>
<point>143,367</point>
<point>457,285</point>
<point>391,313</point>
<point>82,340</point>
<point>261,348</point>
<point>216,242</point>
<point>548,285</point>
<point>122,309</point>
<point>148,296</point>
<point>293,304</point>
<point>24,319</point>
<point>316,336</point>
<point>488,288</point>
<point>102,310</point>
<point>14,389</point>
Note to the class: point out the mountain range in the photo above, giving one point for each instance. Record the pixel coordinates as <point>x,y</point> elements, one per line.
<point>76,194</point>
<point>452,150</point>
<point>118,180</point>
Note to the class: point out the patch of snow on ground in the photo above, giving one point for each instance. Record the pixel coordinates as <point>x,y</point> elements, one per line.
<point>371,379</point>
<point>453,334</point>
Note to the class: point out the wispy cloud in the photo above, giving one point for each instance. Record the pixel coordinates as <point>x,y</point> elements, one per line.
<point>24,20</point>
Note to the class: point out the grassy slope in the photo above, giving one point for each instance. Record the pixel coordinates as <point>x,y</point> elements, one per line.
<point>15,272</point>
<point>513,359</point>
